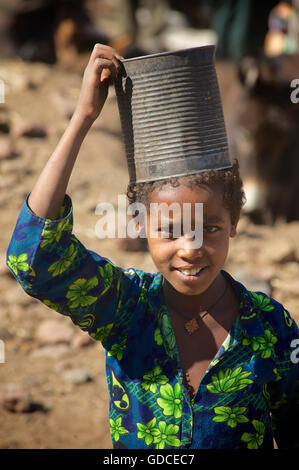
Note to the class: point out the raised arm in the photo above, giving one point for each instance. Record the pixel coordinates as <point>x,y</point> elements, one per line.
<point>49,191</point>
<point>46,258</point>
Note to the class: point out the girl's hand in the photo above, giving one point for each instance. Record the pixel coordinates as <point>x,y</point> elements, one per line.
<point>99,72</point>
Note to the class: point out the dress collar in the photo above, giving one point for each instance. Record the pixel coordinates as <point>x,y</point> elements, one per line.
<point>249,315</point>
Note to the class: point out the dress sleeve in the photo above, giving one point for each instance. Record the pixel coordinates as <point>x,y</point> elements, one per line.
<point>52,265</point>
<point>284,392</point>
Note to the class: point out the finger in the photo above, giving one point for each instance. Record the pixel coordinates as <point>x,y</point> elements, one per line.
<point>107,52</point>
<point>105,69</point>
<point>104,60</point>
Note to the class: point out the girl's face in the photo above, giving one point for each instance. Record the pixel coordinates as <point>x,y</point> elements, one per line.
<point>175,257</point>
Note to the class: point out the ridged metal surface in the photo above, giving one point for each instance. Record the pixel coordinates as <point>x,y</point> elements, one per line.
<point>171,114</point>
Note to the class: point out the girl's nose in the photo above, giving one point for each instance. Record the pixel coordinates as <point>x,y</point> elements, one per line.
<point>189,250</point>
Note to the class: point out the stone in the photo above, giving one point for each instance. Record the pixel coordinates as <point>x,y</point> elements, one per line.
<point>4,269</point>
<point>132,244</point>
<point>290,286</point>
<point>54,351</point>
<point>16,398</point>
<point>81,340</point>
<point>4,121</point>
<point>16,296</point>
<point>78,376</point>
<point>54,331</point>
<point>64,104</point>
<point>278,250</point>
<point>6,148</point>
<point>251,282</point>
<point>25,128</point>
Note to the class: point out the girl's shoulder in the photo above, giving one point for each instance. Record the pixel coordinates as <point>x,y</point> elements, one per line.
<point>274,316</point>
<point>260,312</point>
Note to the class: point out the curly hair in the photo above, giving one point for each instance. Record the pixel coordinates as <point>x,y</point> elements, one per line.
<point>229,180</point>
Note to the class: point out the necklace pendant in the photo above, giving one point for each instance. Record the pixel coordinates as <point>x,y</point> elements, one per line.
<point>191,326</point>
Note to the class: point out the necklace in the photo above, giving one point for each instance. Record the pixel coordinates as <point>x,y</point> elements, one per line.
<point>192,325</point>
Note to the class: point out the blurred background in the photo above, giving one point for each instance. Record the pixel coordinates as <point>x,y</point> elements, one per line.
<point>53,391</point>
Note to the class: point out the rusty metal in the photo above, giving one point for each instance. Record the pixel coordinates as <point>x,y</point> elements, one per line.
<point>171,114</point>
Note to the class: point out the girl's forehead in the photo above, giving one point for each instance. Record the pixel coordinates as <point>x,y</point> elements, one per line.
<point>182,193</point>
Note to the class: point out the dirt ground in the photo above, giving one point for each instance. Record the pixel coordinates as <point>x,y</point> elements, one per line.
<point>66,414</point>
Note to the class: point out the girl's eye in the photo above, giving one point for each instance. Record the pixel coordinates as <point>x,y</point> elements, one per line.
<point>211,229</point>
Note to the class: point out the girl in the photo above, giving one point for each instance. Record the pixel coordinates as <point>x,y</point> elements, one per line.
<point>193,359</point>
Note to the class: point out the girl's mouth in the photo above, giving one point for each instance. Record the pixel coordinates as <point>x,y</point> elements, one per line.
<point>190,274</point>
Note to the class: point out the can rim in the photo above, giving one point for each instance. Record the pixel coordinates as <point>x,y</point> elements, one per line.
<point>162,54</point>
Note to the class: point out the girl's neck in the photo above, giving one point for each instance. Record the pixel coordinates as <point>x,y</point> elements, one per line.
<point>190,304</point>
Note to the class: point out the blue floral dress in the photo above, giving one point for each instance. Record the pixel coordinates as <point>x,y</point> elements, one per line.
<point>248,395</point>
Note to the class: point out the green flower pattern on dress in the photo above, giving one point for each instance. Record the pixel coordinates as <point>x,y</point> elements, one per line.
<point>230,416</point>
<point>64,262</point>
<point>170,400</point>
<point>262,344</point>
<point>152,379</point>
<point>86,321</point>
<point>102,333</point>
<point>158,337</point>
<point>50,304</point>
<point>117,429</point>
<point>18,262</point>
<point>147,431</point>
<point>287,319</point>
<point>118,349</point>
<point>52,234</point>
<point>166,435</point>
<point>229,381</point>
<point>77,293</point>
<point>254,440</point>
<point>107,276</point>
<point>161,435</point>
<point>262,302</point>
<point>170,342</point>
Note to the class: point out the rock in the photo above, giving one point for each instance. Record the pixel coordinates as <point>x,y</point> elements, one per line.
<point>4,121</point>
<point>54,331</point>
<point>265,273</point>
<point>56,351</point>
<point>132,244</point>
<point>17,296</point>
<point>64,104</point>
<point>278,250</point>
<point>62,365</point>
<point>290,286</point>
<point>16,398</point>
<point>81,339</point>
<point>10,181</point>
<point>78,376</point>
<point>4,269</point>
<point>6,148</point>
<point>24,128</point>
<point>252,283</point>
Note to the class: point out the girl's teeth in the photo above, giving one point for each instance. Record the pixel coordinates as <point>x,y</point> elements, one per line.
<point>190,272</point>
